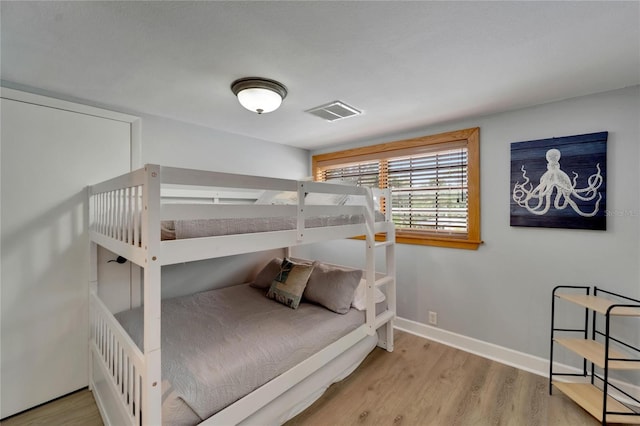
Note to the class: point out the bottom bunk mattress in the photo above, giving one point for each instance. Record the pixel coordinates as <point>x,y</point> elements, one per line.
<point>220,345</point>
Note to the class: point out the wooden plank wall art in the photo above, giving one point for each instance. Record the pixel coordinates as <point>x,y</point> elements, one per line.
<point>560,182</point>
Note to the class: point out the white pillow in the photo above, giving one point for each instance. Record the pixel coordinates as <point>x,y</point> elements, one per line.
<point>361,200</point>
<point>351,180</point>
<point>278,198</point>
<point>320,198</point>
<point>355,200</point>
<point>360,296</point>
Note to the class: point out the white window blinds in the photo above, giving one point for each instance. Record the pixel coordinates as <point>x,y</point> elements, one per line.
<point>361,174</point>
<point>428,190</point>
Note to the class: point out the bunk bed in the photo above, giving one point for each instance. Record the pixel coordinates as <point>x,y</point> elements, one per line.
<point>145,217</point>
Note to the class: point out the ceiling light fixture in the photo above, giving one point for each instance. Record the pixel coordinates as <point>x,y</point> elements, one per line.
<point>259,94</point>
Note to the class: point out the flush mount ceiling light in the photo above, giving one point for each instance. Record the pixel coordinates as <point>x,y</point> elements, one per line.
<point>259,94</point>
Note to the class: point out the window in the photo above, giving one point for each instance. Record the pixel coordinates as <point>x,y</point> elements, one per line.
<point>434,181</point>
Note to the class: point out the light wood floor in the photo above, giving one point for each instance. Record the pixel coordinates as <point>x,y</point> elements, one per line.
<point>77,409</point>
<point>421,383</point>
<point>429,384</point>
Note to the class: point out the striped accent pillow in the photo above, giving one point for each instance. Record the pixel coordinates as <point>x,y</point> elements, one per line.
<point>289,284</point>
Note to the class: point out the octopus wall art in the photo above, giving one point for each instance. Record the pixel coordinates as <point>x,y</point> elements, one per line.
<point>560,182</point>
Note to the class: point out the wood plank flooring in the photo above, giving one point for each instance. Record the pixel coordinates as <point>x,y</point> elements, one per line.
<point>76,409</point>
<point>426,383</point>
<point>422,383</point>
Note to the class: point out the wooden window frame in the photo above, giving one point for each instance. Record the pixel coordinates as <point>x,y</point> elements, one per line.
<point>471,137</point>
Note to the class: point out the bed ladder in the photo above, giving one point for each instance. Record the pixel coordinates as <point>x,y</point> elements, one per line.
<point>386,282</point>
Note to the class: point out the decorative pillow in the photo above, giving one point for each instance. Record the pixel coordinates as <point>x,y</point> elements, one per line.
<point>332,287</point>
<point>265,277</point>
<point>289,284</point>
<point>360,297</point>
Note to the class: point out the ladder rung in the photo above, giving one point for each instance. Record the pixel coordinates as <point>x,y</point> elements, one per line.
<point>384,281</point>
<point>384,318</point>
<point>383,243</point>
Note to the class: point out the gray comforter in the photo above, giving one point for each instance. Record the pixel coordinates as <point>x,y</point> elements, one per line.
<point>220,345</point>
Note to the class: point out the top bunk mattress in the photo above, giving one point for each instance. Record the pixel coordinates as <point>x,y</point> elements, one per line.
<point>183,229</point>
<point>220,345</point>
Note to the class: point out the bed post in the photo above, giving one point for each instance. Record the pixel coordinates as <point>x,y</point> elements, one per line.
<point>93,290</point>
<point>152,379</point>
<point>390,258</point>
<point>384,322</point>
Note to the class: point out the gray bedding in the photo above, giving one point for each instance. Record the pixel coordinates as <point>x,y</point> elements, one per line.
<point>181,229</point>
<point>220,345</point>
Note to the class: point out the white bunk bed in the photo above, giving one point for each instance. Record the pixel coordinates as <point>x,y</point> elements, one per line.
<point>126,217</point>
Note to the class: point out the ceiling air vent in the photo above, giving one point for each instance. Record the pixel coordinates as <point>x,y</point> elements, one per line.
<point>333,111</point>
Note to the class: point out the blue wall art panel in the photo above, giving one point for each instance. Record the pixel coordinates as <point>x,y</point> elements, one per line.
<point>560,182</point>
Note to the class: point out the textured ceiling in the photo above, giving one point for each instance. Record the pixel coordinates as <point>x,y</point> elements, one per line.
<point>406,65</point>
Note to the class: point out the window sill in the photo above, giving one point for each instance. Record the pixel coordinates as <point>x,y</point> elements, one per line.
<point>458,243</point>
<point>450,242</point>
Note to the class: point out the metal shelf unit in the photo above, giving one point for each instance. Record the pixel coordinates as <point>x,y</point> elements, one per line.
<point>600,351</point>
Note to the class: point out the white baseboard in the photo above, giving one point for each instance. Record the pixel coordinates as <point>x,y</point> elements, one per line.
<point>519,360</point>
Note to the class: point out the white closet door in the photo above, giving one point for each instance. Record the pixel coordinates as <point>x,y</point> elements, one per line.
<point>49,155</point>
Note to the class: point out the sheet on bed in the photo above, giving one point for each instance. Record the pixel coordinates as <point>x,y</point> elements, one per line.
<point>181,229</point>
<point>220,345</point>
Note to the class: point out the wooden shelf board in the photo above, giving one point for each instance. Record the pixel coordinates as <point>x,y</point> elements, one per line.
<point>594,352</point>
<point>600,304</point>
<point>590,398</point>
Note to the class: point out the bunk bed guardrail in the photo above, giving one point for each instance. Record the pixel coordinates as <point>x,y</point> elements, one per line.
<point>119,212</point>
<point>121,363</point>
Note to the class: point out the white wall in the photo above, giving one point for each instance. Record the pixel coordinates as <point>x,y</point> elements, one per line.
<point>174,143</point>
<point>502,293</point>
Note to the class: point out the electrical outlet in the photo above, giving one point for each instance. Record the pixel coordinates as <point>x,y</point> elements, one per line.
<point>433,318</point>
